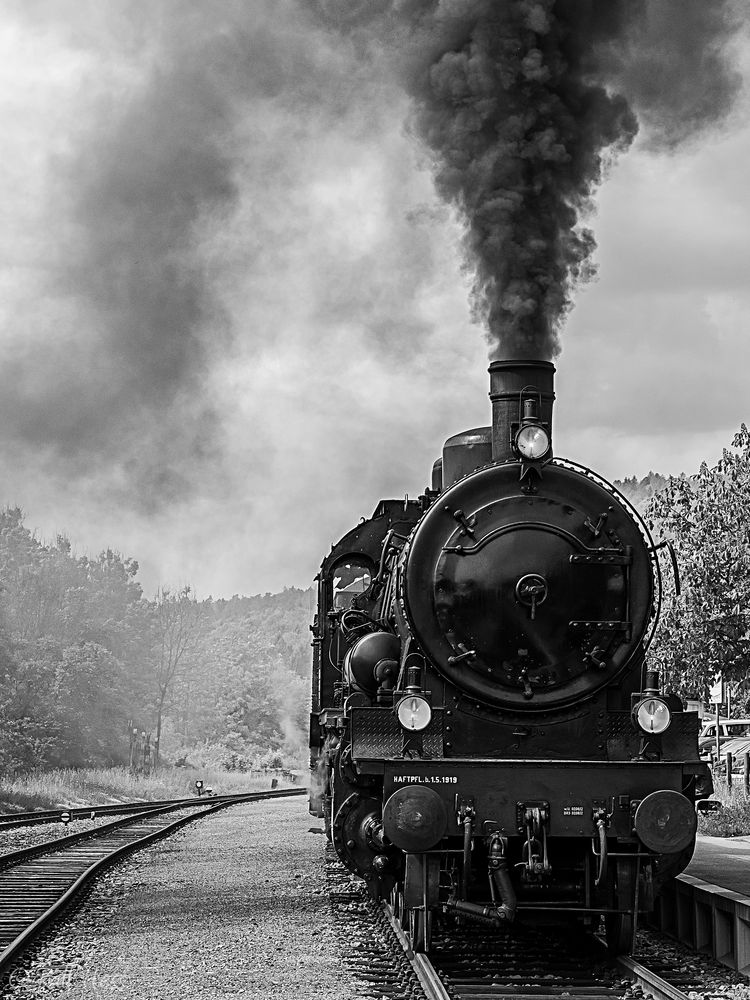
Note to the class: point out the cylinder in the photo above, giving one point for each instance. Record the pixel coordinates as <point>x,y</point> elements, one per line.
<point>465,452</point>
<point>512,382</point>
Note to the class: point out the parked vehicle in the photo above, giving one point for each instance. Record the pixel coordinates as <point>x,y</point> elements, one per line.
<point>729,729</point>
<point>738,747</point>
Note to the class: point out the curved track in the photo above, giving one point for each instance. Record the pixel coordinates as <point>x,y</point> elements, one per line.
<point>38,882</point>
<point>10,821</point>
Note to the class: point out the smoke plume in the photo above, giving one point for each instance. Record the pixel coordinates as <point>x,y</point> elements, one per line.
<point>178,118</point>
<point>522,105</point>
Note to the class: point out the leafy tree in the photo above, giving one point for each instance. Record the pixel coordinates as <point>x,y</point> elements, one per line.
<point>88,697</point>
<point>26,738</point>
<point>177,620</point>
<point>707,628</point>
<point>250,678</point>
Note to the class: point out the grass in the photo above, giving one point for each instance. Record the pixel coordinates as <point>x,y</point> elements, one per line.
<point>99,786</point>
<point>733,820</point>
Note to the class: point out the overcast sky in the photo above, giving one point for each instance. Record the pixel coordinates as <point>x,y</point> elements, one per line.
<point>234,313</point>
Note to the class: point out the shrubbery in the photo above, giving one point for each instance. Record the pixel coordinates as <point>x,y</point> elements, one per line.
<point>733,819</point>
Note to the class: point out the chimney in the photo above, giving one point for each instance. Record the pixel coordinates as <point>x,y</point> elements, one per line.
<point>510,382</point>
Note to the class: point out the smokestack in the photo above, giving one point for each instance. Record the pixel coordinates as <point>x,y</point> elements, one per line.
<point>509,382</point>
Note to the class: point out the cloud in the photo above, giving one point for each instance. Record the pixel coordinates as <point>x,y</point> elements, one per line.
<point>234,310</point>
<point>174,121</point>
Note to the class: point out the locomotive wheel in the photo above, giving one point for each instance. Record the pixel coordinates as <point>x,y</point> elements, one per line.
<point>327,817</point>
<point>619,926</point>
<point>397,902</point>
<point>419,932</point>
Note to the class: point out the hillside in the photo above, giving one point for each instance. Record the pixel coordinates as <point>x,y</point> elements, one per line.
<point>639,492</point>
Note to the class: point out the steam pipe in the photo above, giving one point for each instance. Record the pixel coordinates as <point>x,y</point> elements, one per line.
<point>500,876</point>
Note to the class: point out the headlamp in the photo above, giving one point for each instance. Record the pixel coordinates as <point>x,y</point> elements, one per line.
<point>652,715</point>
<point>532,441</point>
<point>414,713</point>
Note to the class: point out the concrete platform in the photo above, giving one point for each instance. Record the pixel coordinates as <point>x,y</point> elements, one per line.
<point>708,906</point>
<point>723,861</point>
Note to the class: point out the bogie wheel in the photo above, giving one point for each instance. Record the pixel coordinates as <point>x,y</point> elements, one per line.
<point>619,931</point>
<point>420,930</point>
<point>327,817</point>
<point>619,926</point>
<point>397,902</point>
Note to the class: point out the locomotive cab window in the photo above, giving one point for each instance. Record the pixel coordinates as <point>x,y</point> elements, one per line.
<point>350,579</point>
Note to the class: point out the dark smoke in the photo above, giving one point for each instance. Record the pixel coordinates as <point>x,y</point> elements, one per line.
<point>675,66</point>
<point>523,104</point>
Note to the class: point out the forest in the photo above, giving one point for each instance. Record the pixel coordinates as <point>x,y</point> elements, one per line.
<point>90,667</point>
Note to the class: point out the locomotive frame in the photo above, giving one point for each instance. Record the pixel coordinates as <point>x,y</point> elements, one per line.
<point>486,738</point>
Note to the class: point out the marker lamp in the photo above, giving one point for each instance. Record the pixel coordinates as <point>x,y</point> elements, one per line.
<point>414,713</point>
<point>652,715</point>
<point>532,441</point>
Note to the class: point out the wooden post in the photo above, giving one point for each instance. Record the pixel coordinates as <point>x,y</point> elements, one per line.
<point>746,771</point>
<point>729,770</point>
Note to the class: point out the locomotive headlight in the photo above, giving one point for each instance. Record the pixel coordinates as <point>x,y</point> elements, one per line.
<point>652,715</point>
<point>414,712</point>
<point>532,441</point>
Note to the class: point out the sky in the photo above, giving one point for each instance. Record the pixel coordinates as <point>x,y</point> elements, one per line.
<point>235,312</point>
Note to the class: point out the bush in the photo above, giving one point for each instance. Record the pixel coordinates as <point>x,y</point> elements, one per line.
<point>733,820</point>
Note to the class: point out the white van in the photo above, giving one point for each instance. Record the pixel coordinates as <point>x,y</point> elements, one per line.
<point>729,729</point>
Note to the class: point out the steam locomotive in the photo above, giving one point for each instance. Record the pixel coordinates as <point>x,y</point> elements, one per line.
<point>487,740</point>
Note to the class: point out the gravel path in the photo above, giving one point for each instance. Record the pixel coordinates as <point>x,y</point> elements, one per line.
<point>232,906</point>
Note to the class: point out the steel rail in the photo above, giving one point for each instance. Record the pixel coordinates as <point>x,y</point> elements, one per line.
<point>428,978</point>
<point>435,989</point>
<point>10,821</point>
<point>651,984</point>
<point>82,861</point>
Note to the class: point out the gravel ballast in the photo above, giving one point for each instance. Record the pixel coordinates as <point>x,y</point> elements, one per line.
<point>242,904</point>
<point>234,905</point>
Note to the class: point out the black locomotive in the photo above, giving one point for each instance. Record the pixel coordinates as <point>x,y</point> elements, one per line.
<point>486,737</point>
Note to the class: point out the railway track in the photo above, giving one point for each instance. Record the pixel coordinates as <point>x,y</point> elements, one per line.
<point>469,962</point>
<point>11,821</point>
<point>38,883</point>
<point>472,963</point>
<point>529,965</point>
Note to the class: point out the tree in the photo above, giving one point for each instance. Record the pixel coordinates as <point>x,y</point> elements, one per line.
<point>707,628</point>
<point>177,618</point>
<point>639,493</point>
